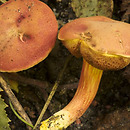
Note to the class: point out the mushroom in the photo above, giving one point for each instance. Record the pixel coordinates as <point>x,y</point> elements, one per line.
<point>104,44</point>
<point>28,30</point>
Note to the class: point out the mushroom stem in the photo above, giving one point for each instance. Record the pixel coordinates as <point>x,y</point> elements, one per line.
<point>86,91</point>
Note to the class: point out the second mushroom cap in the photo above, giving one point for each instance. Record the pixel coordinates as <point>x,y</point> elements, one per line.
<point>103,42</point>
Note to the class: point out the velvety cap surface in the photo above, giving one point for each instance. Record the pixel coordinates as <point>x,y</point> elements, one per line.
<point>100,40</point>
<point>28,30</point>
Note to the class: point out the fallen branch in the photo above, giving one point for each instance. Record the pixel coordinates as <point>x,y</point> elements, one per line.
<point>35,82</point>
<point>13,99</point>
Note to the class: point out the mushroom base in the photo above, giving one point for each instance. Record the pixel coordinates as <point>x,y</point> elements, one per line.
<point>87,89</point>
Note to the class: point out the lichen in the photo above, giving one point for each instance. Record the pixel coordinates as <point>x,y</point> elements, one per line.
<point>86,8</point>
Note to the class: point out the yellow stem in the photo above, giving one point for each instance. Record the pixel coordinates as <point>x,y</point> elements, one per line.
<point>87,89</point>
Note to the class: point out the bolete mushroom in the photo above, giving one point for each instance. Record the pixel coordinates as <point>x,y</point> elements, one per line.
<point>104,44</point>
<point>28,30</point>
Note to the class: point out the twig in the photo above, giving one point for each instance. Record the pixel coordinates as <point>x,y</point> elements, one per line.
<point>35,82</point>
<point>11,106</point>
<point>52,92</point>
<point>69,86</point>
<point>26,80</point>
<point>42,85</point>
<point>14,100</point>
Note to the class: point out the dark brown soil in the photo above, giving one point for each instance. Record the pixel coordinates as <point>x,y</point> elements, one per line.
<point>110,109</point>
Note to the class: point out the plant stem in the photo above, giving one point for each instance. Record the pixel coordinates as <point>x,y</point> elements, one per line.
<point>11,106</point>
<point>29,81</point>
<point>52,92</point>
<point>13,99</point>
<point>87,89</point>
<point>42,85</point>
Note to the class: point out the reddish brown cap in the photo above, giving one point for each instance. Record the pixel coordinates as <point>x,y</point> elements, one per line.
<point>28,30</point>
<point>103,42</point>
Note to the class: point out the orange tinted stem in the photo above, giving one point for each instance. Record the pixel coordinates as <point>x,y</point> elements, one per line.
<point>86,91</point>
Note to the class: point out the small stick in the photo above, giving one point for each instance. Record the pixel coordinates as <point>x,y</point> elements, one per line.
<point>42,85</point>
<point>26,80</point>
<point>52,92</point>
<point>14,100</point>
<point>29,81</point>
<point>19,117</point>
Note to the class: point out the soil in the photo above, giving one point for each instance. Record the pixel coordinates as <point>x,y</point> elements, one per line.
<point>111,106</point>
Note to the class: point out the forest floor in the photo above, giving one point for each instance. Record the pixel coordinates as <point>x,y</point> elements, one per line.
<point>111,106</point>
